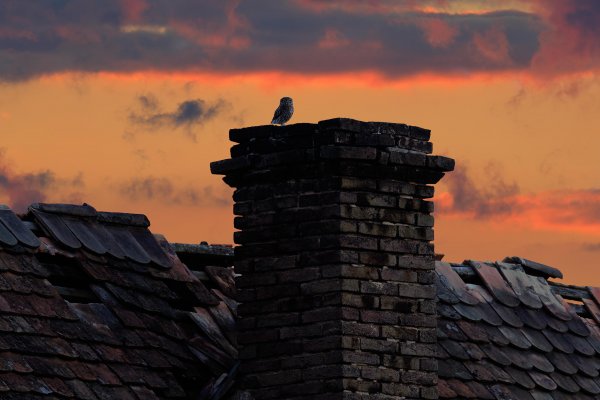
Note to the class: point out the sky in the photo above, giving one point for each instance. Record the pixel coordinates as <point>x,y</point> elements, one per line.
<point>123,104</point>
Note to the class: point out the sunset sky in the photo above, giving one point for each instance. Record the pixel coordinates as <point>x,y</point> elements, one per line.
<point>124,103</point>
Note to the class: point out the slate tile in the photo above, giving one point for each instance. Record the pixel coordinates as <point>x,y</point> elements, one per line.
<point>521,394</point>
<point>495,336</point>
<point>128,244</point>
<point>540,362</point>
<point>584,365</point>
<point>461,389</point>
<point>562,362</point>
<point>454,349</point>
<point>496,354</point>
<point>507,314</point>
<point>594,338</point>
<point>83,371</point>
<point>587,384</point>
<point>540,395</point>
<point>488,314</point>
<point>452,331</point>
<point>55,227</point>
<point>559,341</point>
<point>454,282</point>
<point>143,393</point>
<point>518,357</point>
<point>148,242</point>
<point>440,352</point>
<point>515,337</point>
<point>543,380</point>
<point>472,313</point>
<point>49,366</point>
<point>580,344</point>
<point>58,386</point>
<point>549,299</point>
<point>556,324</point>
<point>592,308</point>
<point>475,332</point>
<point>496,284</point>
<point>17,229</point>
<point>443,292</point>
<point>521,377</point>
<point>502,392</point>
<point>480,391</point>
<point>473,350</point>
<point>537,339</point>
<point>81,390</point>
<point>83,231</point>
<point>105,376</point>
<point>444,390</point>
<point>565,382</point>
<point>517,279</point>
<point>484,371</point>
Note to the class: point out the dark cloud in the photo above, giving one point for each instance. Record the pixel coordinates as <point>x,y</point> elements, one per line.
<point>591,247</point>
<point>41,37</point>
<point>189,114</point>
<point>494,198</point>
<point>163,190</point>
<point>19,190</point>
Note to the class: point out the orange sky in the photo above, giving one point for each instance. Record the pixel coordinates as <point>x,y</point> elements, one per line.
<point>525,136</point>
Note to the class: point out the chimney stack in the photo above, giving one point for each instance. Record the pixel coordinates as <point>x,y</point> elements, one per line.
<point>336,261</point>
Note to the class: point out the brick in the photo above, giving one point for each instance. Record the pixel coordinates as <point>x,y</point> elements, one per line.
<point>376,229</point>
<point>379,288</point>
<point>380,374</point>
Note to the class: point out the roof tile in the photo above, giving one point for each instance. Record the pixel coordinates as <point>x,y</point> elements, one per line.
<point>496,284</point>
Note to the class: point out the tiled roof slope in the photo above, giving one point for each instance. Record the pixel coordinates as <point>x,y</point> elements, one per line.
<point>94,306</point>
<point>505,332</point>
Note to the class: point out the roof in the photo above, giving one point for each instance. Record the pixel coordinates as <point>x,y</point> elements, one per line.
<point>94,306</point>
<point>506,332</point>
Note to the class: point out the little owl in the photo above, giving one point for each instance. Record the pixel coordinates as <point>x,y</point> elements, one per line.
<point>284,111</point>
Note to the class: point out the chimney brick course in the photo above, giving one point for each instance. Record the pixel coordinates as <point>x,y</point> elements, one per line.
<point>335,259</point>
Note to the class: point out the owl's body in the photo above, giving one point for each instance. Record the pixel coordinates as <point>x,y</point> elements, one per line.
<point>284,112</point>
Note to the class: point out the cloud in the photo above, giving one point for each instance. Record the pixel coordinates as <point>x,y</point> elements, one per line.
<point>189,114</point>
<point>466,197</point>
<point>439,33</point>
<point>570,40</point>
<point>591,247</point>
<point>19,190</point>
<point>393,38</point>
<point>232,36</point>
<point>572,210</point>
<point>163,190</point>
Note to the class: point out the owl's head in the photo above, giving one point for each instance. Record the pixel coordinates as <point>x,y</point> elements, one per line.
<point>286,100</point>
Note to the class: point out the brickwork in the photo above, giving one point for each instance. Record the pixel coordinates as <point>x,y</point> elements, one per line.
<point>336,260</point>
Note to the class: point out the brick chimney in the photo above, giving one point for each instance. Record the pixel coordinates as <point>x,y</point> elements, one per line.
<point>336,260</point>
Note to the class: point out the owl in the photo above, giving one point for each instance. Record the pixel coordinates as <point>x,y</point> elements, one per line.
<point>284,111</point>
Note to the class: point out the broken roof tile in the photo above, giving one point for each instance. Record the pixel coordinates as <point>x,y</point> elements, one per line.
<point>496,284</point>
<point>517,279</point>
<point>451,279</point>
<point>535,267</point>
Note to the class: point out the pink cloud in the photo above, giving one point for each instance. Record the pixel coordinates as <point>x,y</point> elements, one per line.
<point>568,210</point>
<point>493,45</point>
<point>133,9</point>
<point>570,42</point>
<point>438,32</point>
